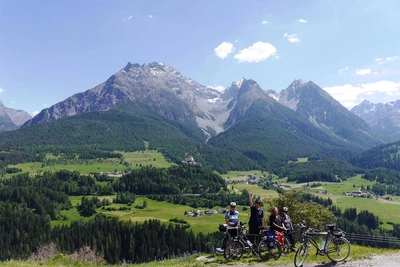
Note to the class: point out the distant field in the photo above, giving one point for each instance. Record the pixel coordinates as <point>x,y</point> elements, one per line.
<point>161,211</point>
<point>136,159</point>
<point>387,211</point>
<point>237,175</point>
<point>257,191</point>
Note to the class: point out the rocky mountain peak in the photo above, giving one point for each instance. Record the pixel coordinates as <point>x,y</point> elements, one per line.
<point>296,83</point>
<point>382,118</point>
<point>11,119</point>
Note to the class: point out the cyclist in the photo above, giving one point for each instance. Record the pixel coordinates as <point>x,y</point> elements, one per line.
<point>232,220</point>
<point>276,224</point>
<point>289,226</point>
<point>275,221</point>
<point>256,216</point>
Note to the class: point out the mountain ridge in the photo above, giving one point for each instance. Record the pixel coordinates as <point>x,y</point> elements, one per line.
<point>12,119</point>
<point>384,119</point>
<point>166,91</point>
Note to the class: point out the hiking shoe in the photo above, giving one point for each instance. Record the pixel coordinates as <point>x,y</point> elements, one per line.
<point>219,250</point>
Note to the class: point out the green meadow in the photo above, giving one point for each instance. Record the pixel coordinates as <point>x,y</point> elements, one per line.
<point>155,210</point>
<point>387,211</point>
<point>135,160</point>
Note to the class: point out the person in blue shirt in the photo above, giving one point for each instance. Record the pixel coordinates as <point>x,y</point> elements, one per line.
<point>232,219</point>
<point>287,222</point>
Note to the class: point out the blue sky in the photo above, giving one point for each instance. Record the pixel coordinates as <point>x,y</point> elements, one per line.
<point>52,49</point>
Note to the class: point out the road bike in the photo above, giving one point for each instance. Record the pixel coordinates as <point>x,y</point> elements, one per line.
<point>334,245</point>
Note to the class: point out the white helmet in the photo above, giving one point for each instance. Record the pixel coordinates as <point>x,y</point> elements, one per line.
<point>232,204</point>
<point>285,209</point>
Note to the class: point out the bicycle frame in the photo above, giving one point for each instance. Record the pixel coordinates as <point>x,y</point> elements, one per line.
<point>335,246</point>
<point>244,238</point>
<point>310,239</point>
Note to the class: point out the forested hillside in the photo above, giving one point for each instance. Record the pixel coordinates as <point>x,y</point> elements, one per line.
<point>28,204</point>
<point>385,156</point>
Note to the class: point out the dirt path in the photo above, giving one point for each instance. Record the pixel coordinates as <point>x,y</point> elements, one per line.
<point>383,260</point>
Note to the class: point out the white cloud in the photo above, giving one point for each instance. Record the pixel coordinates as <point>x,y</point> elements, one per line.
<point>128,18</point>
<point>258,52</point>
<point>2,90</point>
<point>350,95</point>
<point>384,60</point>
<point>292,38</point>
<point>392,58</point>
<point>223,50</point>
<point>264,22</point>
<point>344,69</point>
<point>363,72</point>
<point>219,88</point>
<point>150,16</point>
<point>35,113</point>
<point>302,21</point>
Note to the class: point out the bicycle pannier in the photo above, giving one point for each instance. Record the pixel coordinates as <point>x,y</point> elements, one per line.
<point>222,227</point>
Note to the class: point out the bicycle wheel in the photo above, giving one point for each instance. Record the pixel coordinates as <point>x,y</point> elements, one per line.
<point>338,249</point>
<point>276,252</point>
<point>266,251</point>
<point>218,247</point>
<point>301,255</point>
<point>233,250</point>
<point>286,247</point>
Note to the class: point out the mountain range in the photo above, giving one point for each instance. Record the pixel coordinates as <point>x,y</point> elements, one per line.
<point>384,119</point>
<point>11,119</point>
<point>243,120</point>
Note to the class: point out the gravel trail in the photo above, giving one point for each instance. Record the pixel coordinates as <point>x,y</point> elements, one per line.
<point>382,260</point>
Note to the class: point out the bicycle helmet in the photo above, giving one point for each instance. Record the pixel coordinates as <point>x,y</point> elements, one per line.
<point>285,209</point>
<point>232,204</point>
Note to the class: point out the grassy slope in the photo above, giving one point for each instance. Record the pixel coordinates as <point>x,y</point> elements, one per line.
<point>385,210</point>
<point>164,211</point>
<point>136,159</point>
<point>356,253</point>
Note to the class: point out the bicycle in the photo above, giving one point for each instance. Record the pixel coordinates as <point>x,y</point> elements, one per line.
<point>335,246</point>
<point>219,245</point>
<point>297,232</point>
<point>262,246</point>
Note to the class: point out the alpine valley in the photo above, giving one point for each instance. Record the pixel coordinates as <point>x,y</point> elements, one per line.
<point>298,138</point>
<point>243,127</point>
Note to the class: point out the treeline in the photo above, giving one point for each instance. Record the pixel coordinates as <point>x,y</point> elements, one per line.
<point>384,156</point>
<point>327,170</point>
<point>147,180</point>
<point>24,190</point>
<point>387,181</point>
<point>208,200</point>
<point>22,231</point>
<point>177,179</point>
<point>120,241</point>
